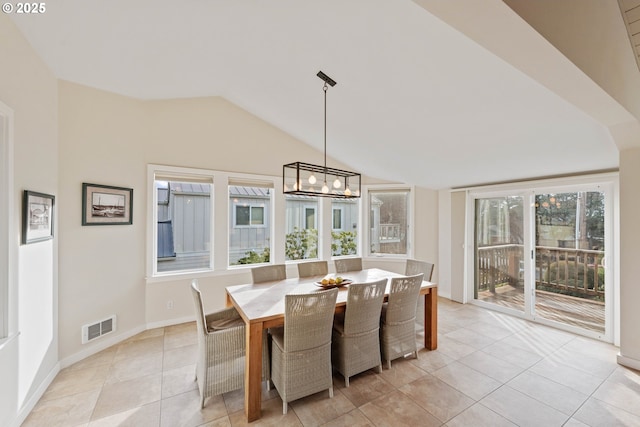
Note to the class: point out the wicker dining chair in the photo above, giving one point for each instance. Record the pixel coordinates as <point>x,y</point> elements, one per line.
<point>313,268</point>
<point>221,349</point>
<point>398,330</point>
<point>301,350</point>
<point>268,273</point>
<point>348,264</point>
<point>414,267</point>
<point>356,341</point>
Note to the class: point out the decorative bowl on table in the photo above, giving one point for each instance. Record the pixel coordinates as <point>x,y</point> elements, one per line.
<point>331,282</point>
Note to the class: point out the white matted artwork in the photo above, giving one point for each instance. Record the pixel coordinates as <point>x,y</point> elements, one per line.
<point>106,205</point>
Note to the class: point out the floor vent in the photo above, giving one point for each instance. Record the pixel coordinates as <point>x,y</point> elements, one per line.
<point>98,329</point>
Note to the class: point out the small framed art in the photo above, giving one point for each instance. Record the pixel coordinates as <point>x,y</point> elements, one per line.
<point>37,217</point>
<point>106,205</point>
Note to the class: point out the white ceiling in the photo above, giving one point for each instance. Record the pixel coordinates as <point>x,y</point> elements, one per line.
<point>417,101</point>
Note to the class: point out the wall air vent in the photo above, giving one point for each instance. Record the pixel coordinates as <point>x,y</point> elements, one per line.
<point>98,329</point>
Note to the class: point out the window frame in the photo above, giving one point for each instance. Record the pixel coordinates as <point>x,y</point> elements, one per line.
<point>8,246</point>
<point>366,216</point>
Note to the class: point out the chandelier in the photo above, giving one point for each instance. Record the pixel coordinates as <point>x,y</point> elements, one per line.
<point>320,181</point>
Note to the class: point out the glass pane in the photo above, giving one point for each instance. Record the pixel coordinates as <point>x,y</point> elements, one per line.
<point>242,215</point>
<point>301,240</point>
<point>250,236</point>
<point>570,276</point>
<point>184,226</point>
<point>389,222</point>
<point>499,240</point>
<point>344,236</point>
<point>257,215</point>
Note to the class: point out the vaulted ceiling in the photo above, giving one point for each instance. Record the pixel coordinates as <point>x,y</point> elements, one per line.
<point>432,93</point>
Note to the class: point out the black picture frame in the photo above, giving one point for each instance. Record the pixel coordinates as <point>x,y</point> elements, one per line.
<point>106,205</point>
<point>37,216</point>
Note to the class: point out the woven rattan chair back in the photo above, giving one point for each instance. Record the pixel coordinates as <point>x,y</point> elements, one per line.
<point>348,264</point>
<point>221,353</point>
<point>313,268</point>
<point>308,319</point>
<point>364,303</point>
<point>414,267</point>
<point>268,273</point>
<point>403,298</point>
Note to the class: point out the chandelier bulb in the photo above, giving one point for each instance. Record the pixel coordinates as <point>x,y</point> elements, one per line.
<point>325,188</point>
<point>312,179</point>
<point>347,192</point>
<point>337,183</point>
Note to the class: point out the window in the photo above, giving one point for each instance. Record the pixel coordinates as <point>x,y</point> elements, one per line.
<point>249,215</point>
<point>301,240</point>
<point>182,216</point>
<point>337,219</point>
<point>249,228</point>
<point>344,235</point>
<point>389,222</point>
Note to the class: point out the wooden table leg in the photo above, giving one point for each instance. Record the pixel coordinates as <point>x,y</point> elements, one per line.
<point>431,319</point>
<point>253,372</point>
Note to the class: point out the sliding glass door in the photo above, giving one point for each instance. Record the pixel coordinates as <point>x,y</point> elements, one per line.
<point>542,254</point>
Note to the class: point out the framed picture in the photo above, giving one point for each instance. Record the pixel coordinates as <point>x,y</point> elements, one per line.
<point>37,217</point>
<point>106,205</point>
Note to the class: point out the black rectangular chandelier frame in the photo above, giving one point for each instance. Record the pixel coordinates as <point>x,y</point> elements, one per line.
<point>295,178</point>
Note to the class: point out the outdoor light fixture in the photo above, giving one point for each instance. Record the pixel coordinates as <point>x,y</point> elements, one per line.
<point>312,180</point>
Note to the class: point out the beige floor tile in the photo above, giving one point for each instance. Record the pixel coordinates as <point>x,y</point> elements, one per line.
<point>184,410</point>
<point>540,339</point>
<point>66,411</point>
<point>221,422</point>
<point>271,416</point>
<point>522,409</point>
<point>69,382</point>
<point>494,330</point>
<point>492,366</point>
<point>470,337</point>
<point>178,381</point>
<point>180,339</point>
<point>180,328</point>
<point>319,408</point>
<point>139,348</point>
<point>514,355</point>
<point>567,375</point>
<point>402,372</point>
<point>556,395</point>
<point>596,413</point>
<point>149,333</point>
<point>140,416</point>
<point>104,357</point>
<point>469,381</point>
<point>441,400</point>
<point>124,395</point>
<point>398,410</point>
<point>430,361</point>
<point>622,390</point>
<point>574,423</point>
<point>135,367</point>
<point>234,400</point>
<point>181,356</point>
<point>363,387</point>
<point>354,418</point>
<point>453,348</point>
<point>594,366</point>
<point>479,416</point>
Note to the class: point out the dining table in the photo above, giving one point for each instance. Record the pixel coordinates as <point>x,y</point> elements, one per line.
<point>262,306</point>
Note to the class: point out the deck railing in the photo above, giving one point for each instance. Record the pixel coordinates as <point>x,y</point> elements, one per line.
<point>577,272</point>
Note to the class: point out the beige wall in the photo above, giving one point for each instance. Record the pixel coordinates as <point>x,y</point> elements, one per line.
<point>629,255</point>
<point>30,90</point>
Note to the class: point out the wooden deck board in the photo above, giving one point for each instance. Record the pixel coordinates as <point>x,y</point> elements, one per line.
<point>560,308</point>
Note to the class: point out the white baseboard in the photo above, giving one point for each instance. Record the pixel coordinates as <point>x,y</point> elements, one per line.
<point>629,362</point>
<point>171,322</point>
<point>35,397</point>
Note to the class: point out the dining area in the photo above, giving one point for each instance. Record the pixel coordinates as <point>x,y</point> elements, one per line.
<point>293,333</point>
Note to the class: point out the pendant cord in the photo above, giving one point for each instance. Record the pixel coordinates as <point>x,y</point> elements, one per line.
<point>325,131</point>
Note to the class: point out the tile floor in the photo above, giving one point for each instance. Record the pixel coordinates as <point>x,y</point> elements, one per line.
<point>490,369</point>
